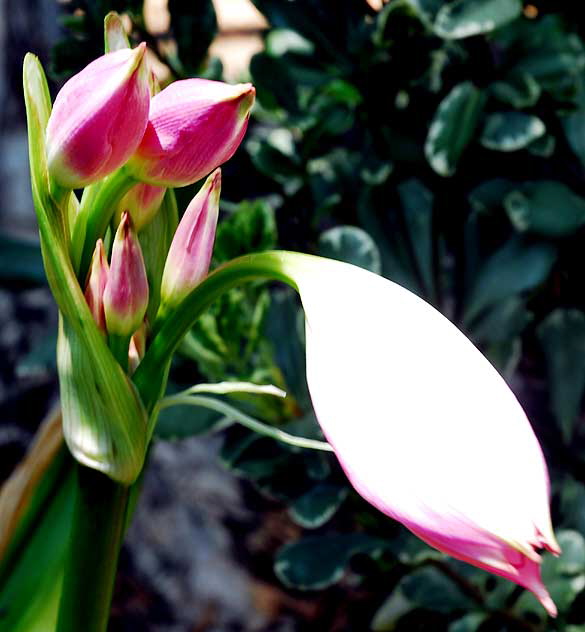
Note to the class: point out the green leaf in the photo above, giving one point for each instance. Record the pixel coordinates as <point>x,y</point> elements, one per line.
<point>317,506</point>
<point>40,360</point>
<point>516,267</point>
<point>20,262</point>
<point>194,26</point>
<point>464,18</point>
<point>282,41</point>
<point>104,422</point>
<point>316,562</point>
<point>562,336</point>
<point>430,588</point>
<point>504,321</point>
<point>250,228</point>
<point>546,208</point>
<point>352,245</point>
<point>510,131</point>
<point>468,623</point>
<point>417,207</point>
<point>490,194</point>
<point>29,598</point>
<point>543,147</point>
<point>452,127</point>
<point>395,606</point>
<point>574,126</point>
<point>519,91</point>
<point>180,422</point>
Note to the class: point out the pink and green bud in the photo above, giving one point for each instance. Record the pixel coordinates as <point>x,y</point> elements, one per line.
<point>96,284</point>
<point>98,118</point>
<point>137,347</point>
<point>194,126</point>
<point>126,292</point>
<point>142,202</point>
<point>189,256</point>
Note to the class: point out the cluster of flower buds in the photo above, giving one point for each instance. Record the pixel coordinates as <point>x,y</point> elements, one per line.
<point>105,120</point>
<point>104,117</point>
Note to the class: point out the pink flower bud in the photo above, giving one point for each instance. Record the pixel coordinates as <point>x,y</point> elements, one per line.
<point>190,252</point>
<point>99,118</point>
<point>126,292</point>
<point>142,202</point>
<point>96,283</point>
<point>137,347</point>
<point>194,126</point>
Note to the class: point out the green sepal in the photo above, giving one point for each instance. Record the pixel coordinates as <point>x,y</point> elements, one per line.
<point>104,422</point>
<point>155,241</point>
<point>99,402</point>
<point>115,37</point>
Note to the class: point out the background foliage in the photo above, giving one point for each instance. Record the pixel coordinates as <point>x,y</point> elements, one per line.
<point>441,144</point>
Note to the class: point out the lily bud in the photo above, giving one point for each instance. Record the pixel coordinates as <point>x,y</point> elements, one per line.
<point>126,292</point>
<point>142,202</point>
<point>96,284</point>
<point>194,126</point>
<point>98,118</point>
<point>425,428</point>
<point>137,348</point>
<point>190,251</point>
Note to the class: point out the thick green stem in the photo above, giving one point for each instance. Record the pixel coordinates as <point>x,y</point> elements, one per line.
<point>96,537</point>
<point>169,331</point>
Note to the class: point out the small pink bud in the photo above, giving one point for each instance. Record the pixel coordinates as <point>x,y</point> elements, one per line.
<point>194,126</point>
<point>126,293</point>
<point>137,347</point>
<point>96,283</point>
<point>99,118</point>
<point>190,252</point>
<point>142,202</point>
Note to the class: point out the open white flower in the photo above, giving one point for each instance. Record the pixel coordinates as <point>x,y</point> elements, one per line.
<point>424,427</point>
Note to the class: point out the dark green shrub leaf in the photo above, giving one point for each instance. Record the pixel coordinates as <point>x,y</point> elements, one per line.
<point>510,131</point>
<point>469,623</point>
<point>516,267</point>
<point>316,562</point>
<point>352,245</point>
<point>316,507</point>
<point>430,588</point>
<point>574,126</point>
<point>417,207</point>
<point>519,91</point>
<point>180,422</point>
<point>194,26</point>
<point>502,322</point>
<point>562,336</point>
<point>250,228</point>
<point>464,18</point>
<point>546,208</point>
<point>21,262</point>
<point>453,127</point>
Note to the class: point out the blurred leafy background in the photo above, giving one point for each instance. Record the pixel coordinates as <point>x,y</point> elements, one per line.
<point>441,144</point>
